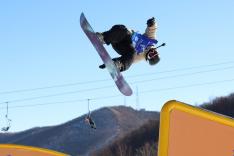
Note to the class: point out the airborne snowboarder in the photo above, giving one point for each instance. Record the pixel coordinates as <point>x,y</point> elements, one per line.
<point>131,45</point>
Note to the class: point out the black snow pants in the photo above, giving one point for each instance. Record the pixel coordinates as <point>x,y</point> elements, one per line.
<point>120,39</point>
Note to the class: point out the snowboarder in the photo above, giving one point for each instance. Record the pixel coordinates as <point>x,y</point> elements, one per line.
<point>131,45</point>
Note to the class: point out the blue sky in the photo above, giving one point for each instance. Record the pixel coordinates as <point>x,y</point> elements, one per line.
<point>49,68</point>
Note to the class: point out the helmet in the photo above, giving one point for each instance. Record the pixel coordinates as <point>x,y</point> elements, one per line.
<point>152,56</point>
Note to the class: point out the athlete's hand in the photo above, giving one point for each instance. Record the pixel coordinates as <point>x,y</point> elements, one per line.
<point>151,22</point>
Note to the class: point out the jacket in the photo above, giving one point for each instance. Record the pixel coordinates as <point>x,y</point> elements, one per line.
<point>126,60</point>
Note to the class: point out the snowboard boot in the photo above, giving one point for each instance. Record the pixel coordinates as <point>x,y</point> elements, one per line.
<point>100,37</point>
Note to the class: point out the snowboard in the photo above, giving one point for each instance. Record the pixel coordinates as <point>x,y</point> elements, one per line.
<point>118,78</point>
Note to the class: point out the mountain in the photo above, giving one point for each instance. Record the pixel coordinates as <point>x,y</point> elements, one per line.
<point>223,105</point>
<point>138,142</point>
<point>77,138</point>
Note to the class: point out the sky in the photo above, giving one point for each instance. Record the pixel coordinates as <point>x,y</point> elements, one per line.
<point>49,68</point>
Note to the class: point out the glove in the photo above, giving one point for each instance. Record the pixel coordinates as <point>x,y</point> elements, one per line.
<point>102,66</point>
<point>151,22</point>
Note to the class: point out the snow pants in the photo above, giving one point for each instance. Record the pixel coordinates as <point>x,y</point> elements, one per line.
<point>120,39</point>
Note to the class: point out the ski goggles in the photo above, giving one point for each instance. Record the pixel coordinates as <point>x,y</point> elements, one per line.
<point>152,54</point>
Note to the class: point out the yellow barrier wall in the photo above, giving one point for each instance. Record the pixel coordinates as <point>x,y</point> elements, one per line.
<point>186,130</point>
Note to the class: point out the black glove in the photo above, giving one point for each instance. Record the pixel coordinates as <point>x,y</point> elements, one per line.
<point>151,22</point>
<point>102,66</point>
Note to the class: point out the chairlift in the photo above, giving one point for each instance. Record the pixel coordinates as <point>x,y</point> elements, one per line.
<point>88,118</point>
<point>8,121</point>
